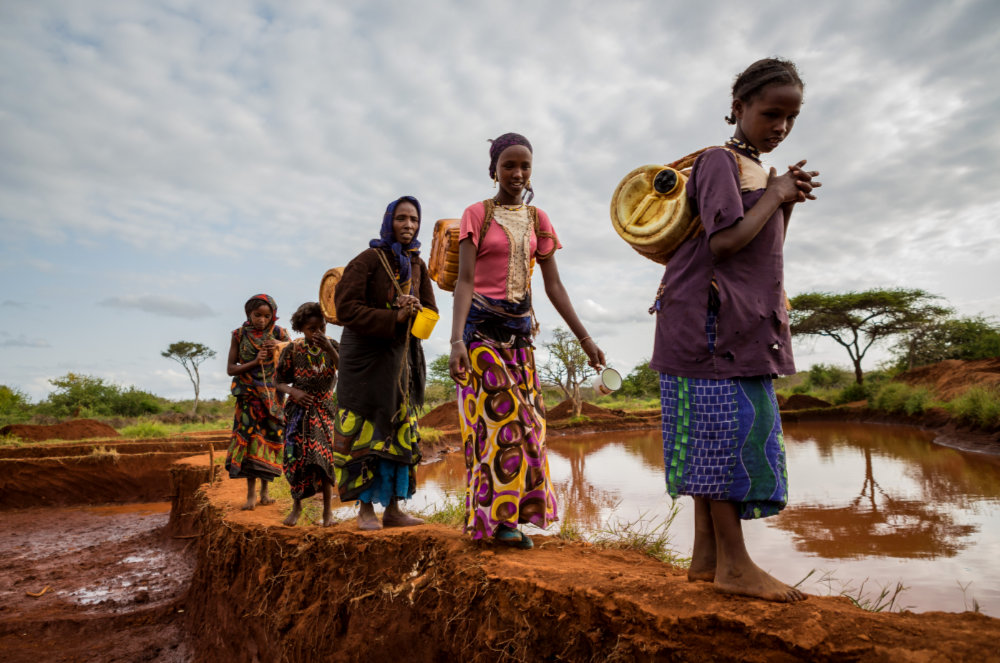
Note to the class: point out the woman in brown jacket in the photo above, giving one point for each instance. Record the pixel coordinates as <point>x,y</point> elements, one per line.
<point>376,443</point>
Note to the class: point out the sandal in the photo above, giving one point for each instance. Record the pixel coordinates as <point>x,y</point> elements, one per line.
<point>514,538</point>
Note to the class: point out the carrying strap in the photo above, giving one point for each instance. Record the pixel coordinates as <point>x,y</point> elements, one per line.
<point>388,270</point>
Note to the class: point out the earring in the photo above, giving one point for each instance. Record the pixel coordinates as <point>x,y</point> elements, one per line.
<point>527,185</point>
<point>494,181</point>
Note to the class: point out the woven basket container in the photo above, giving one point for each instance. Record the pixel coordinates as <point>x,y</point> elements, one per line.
<point>443,265</point>
<point>327,290</point>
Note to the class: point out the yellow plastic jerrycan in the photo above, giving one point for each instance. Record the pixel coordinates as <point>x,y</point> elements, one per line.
<point>650,210</point>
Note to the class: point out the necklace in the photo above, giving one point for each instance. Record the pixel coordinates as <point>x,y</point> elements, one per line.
<point>751,151</point>
<point>313,352</point>
<point>509,208</point>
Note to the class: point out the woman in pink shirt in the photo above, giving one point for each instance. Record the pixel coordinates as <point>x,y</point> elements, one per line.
<point>502,416</point>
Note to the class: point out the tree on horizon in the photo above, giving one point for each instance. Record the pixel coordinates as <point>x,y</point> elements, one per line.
<point>858,320</point>
<point>190,356</point>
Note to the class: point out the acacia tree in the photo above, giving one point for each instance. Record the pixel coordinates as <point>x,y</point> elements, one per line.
<point>566,366</point>
<point>190,356</point>
<point>858,320</point>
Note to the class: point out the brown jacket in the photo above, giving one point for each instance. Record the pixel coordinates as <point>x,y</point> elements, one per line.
<point>365,293</point>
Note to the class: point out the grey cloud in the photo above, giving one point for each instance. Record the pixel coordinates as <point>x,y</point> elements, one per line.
<point>23,342</point>
<point>9,303</point>
<point>165,305</point>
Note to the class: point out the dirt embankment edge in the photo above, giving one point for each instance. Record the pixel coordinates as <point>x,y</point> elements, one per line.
<point>267,592</point>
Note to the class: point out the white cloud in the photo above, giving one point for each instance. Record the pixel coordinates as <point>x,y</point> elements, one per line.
<point>165,305</point>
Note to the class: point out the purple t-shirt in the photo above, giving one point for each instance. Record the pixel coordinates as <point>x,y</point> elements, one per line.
<point>752,333</point>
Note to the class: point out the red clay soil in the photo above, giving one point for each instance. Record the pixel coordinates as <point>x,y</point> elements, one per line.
<point>267,592</point>
<point>803,402</point>
<point>75,429</point>
<point>179,444</point>
<point>115,580</point>
<point>565,410</point>
<point>443,417</point>
<point>953,377</point>
<point>86,479</point>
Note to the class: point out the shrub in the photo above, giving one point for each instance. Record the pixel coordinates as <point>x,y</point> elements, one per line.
<point>850,393</point>
<point>979,406</point>
<point>901,397</point>
<point>14,405</point>
<point>822,376</point>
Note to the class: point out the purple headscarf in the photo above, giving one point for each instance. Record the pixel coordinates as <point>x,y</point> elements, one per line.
<point>387,238</point>
<point>501,143</point>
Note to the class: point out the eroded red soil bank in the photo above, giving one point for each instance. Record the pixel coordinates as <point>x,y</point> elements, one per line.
<point>96,473</point>
<point>267,592</point>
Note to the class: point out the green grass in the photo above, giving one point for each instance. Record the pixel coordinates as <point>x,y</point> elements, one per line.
<point>901,398</point>
<point>11,441</point>
<point>648,536</point>
<point>449,512</point>
<point>430,435</point>
<point>145,428</point>
<point>979,406</point>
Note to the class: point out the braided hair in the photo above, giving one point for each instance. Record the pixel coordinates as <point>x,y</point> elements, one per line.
<point>759,75</point>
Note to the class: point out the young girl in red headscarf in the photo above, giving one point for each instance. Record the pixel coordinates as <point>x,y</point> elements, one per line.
<point>255,449</point>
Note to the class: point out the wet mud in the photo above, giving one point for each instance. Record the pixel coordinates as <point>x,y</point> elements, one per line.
<point>103,583</point>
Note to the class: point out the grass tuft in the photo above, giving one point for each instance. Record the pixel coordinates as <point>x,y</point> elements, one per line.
<point>450,512</point>
<point>104,452</point>
<point>430,435</point>
<point>649,536</point>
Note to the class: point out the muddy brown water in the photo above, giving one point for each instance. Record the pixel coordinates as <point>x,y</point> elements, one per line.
<point>870,506</point>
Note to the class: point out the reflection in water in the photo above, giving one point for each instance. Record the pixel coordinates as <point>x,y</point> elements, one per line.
<point>866,501</point>
<point>875,523</point>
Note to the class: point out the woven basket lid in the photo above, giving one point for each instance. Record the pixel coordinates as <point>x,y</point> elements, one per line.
<point>327,290</point>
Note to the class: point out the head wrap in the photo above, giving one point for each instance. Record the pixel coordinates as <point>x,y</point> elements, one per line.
<point>387,238</point>
<point>256,301</point>
<point>501,143</point>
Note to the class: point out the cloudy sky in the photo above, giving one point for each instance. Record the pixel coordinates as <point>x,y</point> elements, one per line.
<point>162,161</point>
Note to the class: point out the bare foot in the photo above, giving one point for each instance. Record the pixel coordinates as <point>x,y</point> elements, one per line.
<point>400,519</point>
<point>701,574</point>
<point>293,517</point>
<point>754,581</point>
<point>265,499</point>
<point>396,517</point>
<point>367,520</point>
<point>249,505</point>
<point>328,519</point>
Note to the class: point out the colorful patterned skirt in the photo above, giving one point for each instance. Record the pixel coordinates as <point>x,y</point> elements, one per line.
<point>308,451</point>
<point>255,448</point>
<point>372,465</point>
<point>722,440</point>
<point>502,421</point>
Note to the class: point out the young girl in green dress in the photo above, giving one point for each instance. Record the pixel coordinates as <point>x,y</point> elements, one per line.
<point>255,448</point>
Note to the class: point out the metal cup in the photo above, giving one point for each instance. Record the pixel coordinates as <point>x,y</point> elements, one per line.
<point>607,381</point>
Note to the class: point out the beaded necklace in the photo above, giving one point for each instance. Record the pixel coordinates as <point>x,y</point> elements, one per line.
<point>750,150</point>
<point>509,208</point>
<point>315,351</point>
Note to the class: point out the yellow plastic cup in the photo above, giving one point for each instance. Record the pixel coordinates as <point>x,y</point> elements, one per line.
<point>423,323</point>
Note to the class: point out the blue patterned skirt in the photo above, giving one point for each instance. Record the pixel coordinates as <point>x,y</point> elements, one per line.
<point>722,440</point>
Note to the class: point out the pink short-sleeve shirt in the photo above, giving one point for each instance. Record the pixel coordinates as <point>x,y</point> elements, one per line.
<point>493,256</point>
